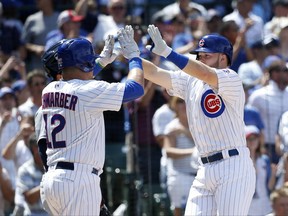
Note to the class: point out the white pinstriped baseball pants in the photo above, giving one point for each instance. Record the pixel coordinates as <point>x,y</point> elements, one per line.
<point>71,192</point>
<point>223,187</point>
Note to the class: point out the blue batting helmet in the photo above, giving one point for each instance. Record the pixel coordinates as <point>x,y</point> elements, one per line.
<point>213,43</point>
<point>77,52</point>
<point>49,60</point>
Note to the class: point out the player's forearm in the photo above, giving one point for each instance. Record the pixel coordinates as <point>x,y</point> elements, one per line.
<point>9,151</point>
<point>156,74</point>
<point>177,153</point>
<point>32,196</point>
<point>6,188</point>
<point>81,7</point>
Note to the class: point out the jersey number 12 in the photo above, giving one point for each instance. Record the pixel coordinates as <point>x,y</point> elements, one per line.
<point>57,118</point>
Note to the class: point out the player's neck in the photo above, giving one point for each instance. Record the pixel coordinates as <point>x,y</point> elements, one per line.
<point>77,75</point>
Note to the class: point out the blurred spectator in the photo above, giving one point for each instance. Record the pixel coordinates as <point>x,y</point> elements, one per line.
<point>12,69</point>
<point>162,116</point>
<point>180,149</point>
<point>251,72</point>
<point>36,27</point>
<point>279,18</point>
<point>214,21</point>
<point>9,126</point>
<point>11,28</point>
<point>241,51</point>
<point>89,10</point>
<point>7,192</point>
<point>272,45</point>
<point>265,173</point>
<point>184,7</point>
<point>109,24</point>
<point>252,115</point>
<point>17,151</point>
<point>183,39</point>
<point>196,23</point>
<point>279,200</point>
<point>68,23</point>
<point>271,102</point>
<point>36,81</point>
<point>222,7</point>
<point>263,9</point>
<point>282,134</point>
<point>244,17</point>
<point>281,142</point>
<point>283,38</point>
<point>21,91</point>
<point>11,13</point>
<point>149,151</point>
<point>28,181</point>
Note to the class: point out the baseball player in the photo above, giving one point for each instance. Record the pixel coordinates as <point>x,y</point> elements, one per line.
<point>72,110</point>
<point>213,93</point>
<point>50,64</point>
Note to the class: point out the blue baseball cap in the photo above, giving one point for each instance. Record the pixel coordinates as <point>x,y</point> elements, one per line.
<point>18,85</point>
<point>269,60</point>
<point>6,90</point>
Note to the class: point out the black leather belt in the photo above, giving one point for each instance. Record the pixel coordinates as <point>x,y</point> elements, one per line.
<point>70,166</point>
<point>218,156</point>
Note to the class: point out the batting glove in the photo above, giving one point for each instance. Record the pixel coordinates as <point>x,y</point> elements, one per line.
<point>159,46</point>
<point>128,45</point>
<point>107,55</point>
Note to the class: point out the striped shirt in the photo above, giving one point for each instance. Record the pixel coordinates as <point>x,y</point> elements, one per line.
<point>215,116</point>
<point>271,102</point>
<point>73,115</point>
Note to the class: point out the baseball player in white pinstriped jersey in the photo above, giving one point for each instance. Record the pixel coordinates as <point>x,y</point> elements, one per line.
<point>225,181</point>
<point>72,110</point>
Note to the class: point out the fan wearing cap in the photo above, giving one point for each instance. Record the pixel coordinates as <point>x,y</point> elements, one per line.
<point>69,26</point>
<point>265,173</point>
<point>20,88</point>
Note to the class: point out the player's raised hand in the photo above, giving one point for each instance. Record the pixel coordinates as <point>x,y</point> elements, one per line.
<point>128,45</point>
<point>107,55</point>
<point>159,46</point>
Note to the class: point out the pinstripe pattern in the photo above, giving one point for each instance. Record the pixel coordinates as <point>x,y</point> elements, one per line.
<point>77,192</point>
<point>85,139</point>
<point>215,119</point>
<point>213,134</point>
<point>227,186</point>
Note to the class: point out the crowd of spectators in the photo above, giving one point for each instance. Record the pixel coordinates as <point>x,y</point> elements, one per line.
<point>258,31</point>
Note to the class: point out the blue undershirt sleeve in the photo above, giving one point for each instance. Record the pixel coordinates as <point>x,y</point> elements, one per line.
<point>178,59</point>
<point>132,91</point>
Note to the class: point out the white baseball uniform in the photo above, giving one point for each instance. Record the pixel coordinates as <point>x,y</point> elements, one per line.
<point>215,116</point>
<point>73,115</point>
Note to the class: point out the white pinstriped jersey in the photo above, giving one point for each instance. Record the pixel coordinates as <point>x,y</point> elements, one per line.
<point>73,115</point>
<point>40,131</point>
<point>215,116</point>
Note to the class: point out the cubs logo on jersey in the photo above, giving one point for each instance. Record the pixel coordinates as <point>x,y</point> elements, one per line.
<point>212,104</point>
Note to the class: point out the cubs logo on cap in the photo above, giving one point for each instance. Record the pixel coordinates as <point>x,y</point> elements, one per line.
<point>201,43</point>
<point>212,104</point>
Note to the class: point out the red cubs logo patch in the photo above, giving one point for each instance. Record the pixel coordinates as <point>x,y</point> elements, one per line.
<point>212,104</point>
<point>201,42</point>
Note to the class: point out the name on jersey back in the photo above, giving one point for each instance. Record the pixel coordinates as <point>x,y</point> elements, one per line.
<point>59,99</point>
